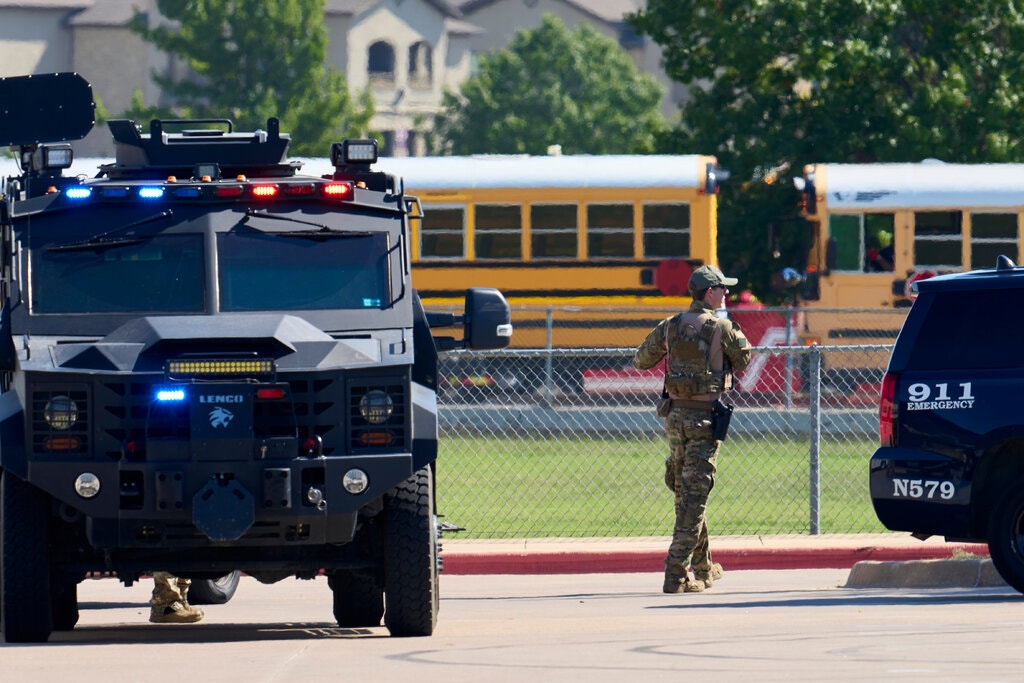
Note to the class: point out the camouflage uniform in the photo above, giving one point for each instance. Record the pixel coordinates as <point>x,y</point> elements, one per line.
<point>169,603</point>
<point>697,344</point>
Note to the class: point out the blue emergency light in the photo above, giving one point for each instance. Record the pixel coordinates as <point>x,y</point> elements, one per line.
<point>166,395</point>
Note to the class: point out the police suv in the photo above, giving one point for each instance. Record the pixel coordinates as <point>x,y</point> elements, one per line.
<point>951,461</point>
<point>211,363</point>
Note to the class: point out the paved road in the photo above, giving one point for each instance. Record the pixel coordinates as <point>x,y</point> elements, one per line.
<point>781,625</point>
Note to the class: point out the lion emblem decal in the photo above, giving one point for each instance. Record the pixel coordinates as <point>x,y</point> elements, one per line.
<point>220,417</point>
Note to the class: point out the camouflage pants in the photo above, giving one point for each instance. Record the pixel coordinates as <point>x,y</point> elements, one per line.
<point>690,472</point>
<point>168,589</point>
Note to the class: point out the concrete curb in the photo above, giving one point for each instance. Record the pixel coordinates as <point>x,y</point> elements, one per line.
<point>949,573</point>
<point>606,558</point>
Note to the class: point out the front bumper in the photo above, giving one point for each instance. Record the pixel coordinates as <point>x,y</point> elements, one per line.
<point>187,504</point>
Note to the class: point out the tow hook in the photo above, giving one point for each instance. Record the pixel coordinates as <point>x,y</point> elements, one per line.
<point>316,497</point>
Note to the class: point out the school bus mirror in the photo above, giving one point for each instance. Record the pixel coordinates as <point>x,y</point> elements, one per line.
<point>714,176</point>
<point>830,255</point>
<point>810,290</point>
<point>809,193</point>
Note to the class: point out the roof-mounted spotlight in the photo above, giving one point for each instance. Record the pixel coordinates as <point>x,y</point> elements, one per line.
<point>52,157</point>
<point>350,152</point>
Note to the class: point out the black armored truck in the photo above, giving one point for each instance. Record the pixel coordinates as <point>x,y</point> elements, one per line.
<point>211,363</point>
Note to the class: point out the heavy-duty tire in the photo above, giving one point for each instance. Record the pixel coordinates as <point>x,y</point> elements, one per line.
<point>358,598</point>
<point>1006,536</point>
<point>25,616</point>
<point>64,604</point>
<point>214,591</point>
<point>410,557</point>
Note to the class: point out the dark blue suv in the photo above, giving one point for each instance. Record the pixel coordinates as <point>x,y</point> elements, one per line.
<point>951,460</point>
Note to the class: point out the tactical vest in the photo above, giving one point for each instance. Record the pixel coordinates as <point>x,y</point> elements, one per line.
<point>688,371</point>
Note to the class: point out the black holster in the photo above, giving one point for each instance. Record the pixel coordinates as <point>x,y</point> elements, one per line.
<point>721,415</point>
<point>664,405</point>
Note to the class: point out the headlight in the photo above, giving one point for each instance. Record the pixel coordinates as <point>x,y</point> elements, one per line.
<point>355,481</point>
<point>87,485</point>
<point>376,407</point>
<point>61,412</point>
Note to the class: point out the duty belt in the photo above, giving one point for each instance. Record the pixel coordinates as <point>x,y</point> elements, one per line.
<point>691,404</point>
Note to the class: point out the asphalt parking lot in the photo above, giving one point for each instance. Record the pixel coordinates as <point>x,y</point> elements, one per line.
<point>766,625</point>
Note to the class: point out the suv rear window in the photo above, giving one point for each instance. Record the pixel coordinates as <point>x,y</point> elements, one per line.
<point>976,329</point>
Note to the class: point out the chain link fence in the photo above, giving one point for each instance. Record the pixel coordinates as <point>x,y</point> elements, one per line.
<point>565,443</point>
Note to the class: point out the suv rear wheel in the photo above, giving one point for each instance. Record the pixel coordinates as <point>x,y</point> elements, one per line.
<point>1006,536</point>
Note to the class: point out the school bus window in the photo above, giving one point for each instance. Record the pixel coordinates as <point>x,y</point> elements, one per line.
<point>610,230</point>
<point>938,239</point>
<point>992,234</point>
<point>666,230</point>
<point>553,230</point>
<point>879,233</point>
<point>442,233</point>
<point>847,234</point>
<point>498,231</point>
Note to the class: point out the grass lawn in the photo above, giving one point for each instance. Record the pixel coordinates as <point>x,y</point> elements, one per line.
<point>536,487</point>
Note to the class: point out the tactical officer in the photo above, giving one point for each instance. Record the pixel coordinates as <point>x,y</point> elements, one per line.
<point>703,351</point>
<point>169,603</point>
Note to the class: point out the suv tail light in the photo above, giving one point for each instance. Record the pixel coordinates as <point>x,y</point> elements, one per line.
<point>887,411</point>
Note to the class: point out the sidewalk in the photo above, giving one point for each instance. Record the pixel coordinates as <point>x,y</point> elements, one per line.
<point>601,555</point>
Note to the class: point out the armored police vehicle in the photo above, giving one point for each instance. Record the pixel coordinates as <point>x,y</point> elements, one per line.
<point>951,461</point>
<point>211,363</point>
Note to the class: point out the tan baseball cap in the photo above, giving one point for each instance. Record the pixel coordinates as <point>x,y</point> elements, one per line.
<point>709,276</point>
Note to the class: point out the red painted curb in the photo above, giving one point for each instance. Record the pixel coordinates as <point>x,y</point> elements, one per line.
<point>597,562</point>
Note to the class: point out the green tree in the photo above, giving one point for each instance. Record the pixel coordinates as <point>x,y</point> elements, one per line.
<point>776,84</point>
<point>552,86</point>
<point>249,60</point>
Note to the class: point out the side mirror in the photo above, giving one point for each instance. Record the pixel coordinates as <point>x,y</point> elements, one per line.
<point>488,320</point>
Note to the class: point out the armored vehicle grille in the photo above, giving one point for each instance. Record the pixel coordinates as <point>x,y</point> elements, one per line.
<point>127,413</point>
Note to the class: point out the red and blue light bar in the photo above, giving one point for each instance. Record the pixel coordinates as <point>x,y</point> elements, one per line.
<point>332,190</point>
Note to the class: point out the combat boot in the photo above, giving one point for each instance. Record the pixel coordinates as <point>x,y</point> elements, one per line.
<point>681,584</point>
<point>177,612</point>
<point>673,584</point>
<point>709,576</point>
<point>693,586</point>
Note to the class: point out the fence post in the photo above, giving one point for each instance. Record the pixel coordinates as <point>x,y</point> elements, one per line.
<point>789,358</point>
<point>549,374</point>
<point>815,439</point>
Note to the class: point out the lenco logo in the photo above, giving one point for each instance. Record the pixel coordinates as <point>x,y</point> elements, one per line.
<point>222,398</point>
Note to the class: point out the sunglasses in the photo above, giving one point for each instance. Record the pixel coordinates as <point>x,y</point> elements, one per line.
<point>720,287</point>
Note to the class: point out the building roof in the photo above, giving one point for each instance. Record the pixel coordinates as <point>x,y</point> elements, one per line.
<point>610,11</point>
<point>354,6</point>
<point>45,4</point>
<point>105,13</point>
<point>457,27</point>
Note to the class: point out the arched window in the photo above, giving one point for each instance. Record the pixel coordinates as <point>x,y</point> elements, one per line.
<point>382,61</point>
<point>421,64</point>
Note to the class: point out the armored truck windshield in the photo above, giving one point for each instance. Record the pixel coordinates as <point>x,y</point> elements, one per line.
<point>194,260</point>
<point>249,270</point>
